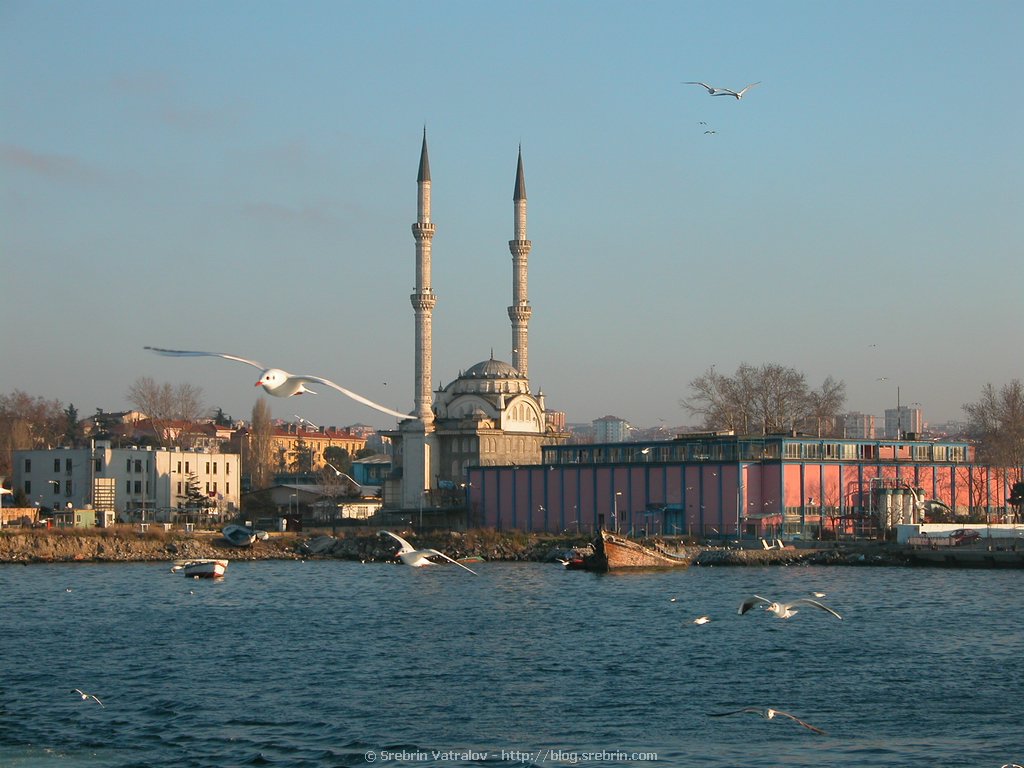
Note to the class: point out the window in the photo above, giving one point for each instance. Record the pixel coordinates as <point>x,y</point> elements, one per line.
<point>179,467</point>
<point>227,488</point>
<point>179,487</point>
<point>138,465</point>
<point>138,486</point>
<point>207,467</point>
<point>56,465</point>
<point>186,467</point>
<point>67,465</point>
<point>28,465</point>
<point>99,465</point>
<point>128,465</point>
<point>67,487</point>
<point>127,486</point>
<point>227,468</point>
<point>215,467</point>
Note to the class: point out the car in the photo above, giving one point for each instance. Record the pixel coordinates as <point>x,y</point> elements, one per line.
<point>964,536</point>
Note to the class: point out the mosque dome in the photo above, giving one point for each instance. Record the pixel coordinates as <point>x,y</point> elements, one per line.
<point>491,369</point>
<point>490,377</point>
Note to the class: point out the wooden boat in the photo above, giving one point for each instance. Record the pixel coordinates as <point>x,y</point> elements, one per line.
<point>201,568</point>
<point>613,552</point>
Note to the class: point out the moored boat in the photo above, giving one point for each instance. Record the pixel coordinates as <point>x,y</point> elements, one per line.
<point>202,568</point>
<point>613,552</point>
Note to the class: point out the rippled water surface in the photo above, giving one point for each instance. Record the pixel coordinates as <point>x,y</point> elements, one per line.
<point>334,663</point>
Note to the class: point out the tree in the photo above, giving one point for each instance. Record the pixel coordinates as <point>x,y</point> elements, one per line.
<point>164,405</point>
<point>338,458</point>
<point>195,498</point>
<point>260,459</point>
<point>996,421</point>
<point>302,456</point>
<point>27,422</point>
<point>72,426</point>
<point>769,399</point>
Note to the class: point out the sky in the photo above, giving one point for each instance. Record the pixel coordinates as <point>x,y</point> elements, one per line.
<point>240,177</point>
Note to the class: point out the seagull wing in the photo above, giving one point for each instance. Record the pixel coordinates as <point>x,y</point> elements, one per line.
<point>450,560</point>
<point>747,88</point>
<point>711,88</point>
<point>752,710</point>
<point>816,604</point>
<point>188,353</point>
<point>796,719</point>
<point>751,601</point>
<point>349,393</point>
<point>405,545</point>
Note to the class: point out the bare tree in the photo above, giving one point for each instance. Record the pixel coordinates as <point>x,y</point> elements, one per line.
<point>996,421</point>
<point>28,422</point>
<point>261,441</point>
<point>771,398</point>
<point>174,410</point>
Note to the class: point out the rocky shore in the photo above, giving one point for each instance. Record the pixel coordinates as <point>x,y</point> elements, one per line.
<point>25,546</point>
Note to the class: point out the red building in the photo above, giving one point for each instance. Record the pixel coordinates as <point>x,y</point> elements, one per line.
<point>723,484</point>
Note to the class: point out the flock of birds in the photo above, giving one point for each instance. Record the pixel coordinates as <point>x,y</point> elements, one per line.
<point>714,90</point>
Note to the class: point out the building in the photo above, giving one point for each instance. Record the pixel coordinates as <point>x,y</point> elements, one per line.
<point>488,415</point>
<point>858,426</point>
<point>611,429</point>
<point>134,483</point>
<point>903,420</point>
<point>723,485</point>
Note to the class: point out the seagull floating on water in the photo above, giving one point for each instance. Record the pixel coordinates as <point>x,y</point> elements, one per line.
<point>782,610</point>
<point>280,383</point>
<point>715,91</point>
<point>418,558</point>
<point>767,714</point>
<point>702,620</point>
<point>86,696</point>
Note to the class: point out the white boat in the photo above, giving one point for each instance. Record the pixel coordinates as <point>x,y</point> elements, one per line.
<point>201,568</point>
<point>239,535</point>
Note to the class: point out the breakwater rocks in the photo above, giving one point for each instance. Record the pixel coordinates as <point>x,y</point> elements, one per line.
<point>124,544</point>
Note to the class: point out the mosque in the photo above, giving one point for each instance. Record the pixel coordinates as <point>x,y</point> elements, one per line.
<point>486,417</point>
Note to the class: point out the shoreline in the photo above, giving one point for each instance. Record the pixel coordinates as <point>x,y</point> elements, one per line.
<point>123,544</point>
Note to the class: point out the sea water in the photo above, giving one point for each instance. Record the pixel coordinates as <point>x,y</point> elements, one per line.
<point>333,663</point>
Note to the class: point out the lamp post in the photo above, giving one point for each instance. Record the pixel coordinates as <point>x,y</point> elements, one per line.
<point>615,511</point>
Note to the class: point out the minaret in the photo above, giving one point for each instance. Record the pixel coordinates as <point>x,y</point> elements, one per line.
<point>519,312</point>
<point>423,299</point>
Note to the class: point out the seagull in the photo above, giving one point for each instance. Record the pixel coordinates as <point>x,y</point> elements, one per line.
<point>702,620</point>
<point>817,594</point>
<point>715,91</point>
<point>782,610</point>
<point>709,132</point>
<point>767,714</point>
<point>281,383</point>
<point>86,696</point>
<point>418,558</point>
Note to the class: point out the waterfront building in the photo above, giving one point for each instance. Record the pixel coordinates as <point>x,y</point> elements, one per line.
<point>488,415</point>
<point>137,483</point>
<point>713,484</point>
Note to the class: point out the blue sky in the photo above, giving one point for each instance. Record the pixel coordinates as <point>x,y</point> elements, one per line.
<point>240,177</point>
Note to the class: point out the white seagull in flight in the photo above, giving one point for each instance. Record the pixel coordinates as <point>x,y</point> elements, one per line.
<point>417,558</point>
<point>281,383</point>
<point>767,714</point>
<point>782,610</point>
<point>715,91</point>
<point>86,696</point>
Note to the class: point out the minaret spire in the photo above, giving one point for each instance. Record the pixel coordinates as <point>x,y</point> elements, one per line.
<point>423,298</point>
<point>519,312</point>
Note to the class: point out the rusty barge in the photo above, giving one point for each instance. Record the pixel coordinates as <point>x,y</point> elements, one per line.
<point>613,552</point>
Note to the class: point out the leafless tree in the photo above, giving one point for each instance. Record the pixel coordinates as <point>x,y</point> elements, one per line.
<point>175,411</point>
<point>28,422</point>
<point>996,421</point>
<point>771,398</point>
<point>824,405</point>
<point>260,458</point>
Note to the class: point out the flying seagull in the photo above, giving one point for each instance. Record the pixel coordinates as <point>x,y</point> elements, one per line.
<point>767,714</point>
<point>86,696</point>
<point>715,91</point>
<point>782,610</point>
<point>281,383</point>
<point>418,558</point>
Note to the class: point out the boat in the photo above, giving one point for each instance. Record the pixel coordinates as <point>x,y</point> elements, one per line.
<point>613,552</point>
<point>201,568</point>
<point>242,535</point>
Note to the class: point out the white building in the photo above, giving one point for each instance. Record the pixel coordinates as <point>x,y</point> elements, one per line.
<point>899,422</point>
<point>127,481</point>
<point>610,429</point>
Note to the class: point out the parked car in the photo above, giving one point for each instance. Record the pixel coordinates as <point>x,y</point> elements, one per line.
<point>964,536</point>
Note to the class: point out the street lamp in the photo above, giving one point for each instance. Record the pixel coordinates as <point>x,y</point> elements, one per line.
<point>615,511</point>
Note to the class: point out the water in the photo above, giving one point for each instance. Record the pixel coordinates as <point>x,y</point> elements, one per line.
<point>322,663</point>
